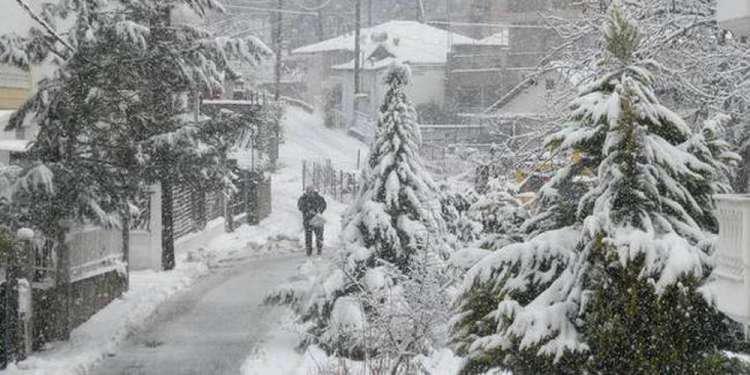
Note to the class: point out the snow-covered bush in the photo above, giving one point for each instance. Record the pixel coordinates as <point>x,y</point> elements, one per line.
<point>617,288</point>
<point>455,212</point>
<point>500,214</point>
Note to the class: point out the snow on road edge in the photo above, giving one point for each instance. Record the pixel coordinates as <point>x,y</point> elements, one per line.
<point>106,330</point>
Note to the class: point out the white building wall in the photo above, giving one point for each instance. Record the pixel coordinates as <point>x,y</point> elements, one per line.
<point>428,85</point>
<point>730,281</point>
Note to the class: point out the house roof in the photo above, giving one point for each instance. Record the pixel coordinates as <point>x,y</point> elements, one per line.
<point>527,99</point>
<point>406,41</point>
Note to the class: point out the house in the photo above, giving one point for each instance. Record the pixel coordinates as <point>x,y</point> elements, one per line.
<point>423,47</point>
<point>513,40</point>
<point>16,86</point>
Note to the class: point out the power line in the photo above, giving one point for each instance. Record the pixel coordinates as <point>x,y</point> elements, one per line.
<point>271,10</point>
<point>508,25</point>
<point>315,8</point>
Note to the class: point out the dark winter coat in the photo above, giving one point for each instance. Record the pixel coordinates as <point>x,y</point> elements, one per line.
<point>311,204</point>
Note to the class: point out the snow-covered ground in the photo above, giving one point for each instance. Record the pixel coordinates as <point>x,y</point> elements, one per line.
<point>305,139</point>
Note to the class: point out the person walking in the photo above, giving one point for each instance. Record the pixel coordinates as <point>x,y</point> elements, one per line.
<point>312,204</point>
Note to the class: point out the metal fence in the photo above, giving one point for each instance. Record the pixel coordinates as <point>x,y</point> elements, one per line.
<point>193,209</point>
<point>336,183</point>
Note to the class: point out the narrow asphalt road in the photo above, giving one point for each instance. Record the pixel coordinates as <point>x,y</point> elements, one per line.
<point>210,329</point>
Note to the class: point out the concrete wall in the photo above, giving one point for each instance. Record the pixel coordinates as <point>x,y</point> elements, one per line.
<point>87,297</point>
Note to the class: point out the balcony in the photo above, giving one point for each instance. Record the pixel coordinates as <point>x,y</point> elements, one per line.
<point>734,15</point>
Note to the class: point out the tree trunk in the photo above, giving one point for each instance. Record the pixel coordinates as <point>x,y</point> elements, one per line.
<point>167,228</point>
<point>420,12</point>
<point>125,218</point>
<point>9,317</point>
<point>320,31</point>
<point>62,282</point>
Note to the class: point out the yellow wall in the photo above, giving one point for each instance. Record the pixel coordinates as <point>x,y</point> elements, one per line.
<point>12,97</point>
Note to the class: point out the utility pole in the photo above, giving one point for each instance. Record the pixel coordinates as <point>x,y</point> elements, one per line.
<point>420,11</point>
<point>321,33</point>
<point>369,13</point>
<point>357,31</point>
<point>277,46</point>
<point>277,75</point>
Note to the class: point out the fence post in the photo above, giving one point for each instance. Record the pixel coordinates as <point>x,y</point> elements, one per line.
<point>329,169</point>
<point>304,174</point>
<point>199,209</point>
<point>25,303</point>
<point>226,202</point>
<point>341,185</point>
<point>251,199</point>
<point>359,152</point>
<point>315,174</point>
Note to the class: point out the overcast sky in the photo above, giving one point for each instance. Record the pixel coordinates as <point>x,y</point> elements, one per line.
<point>12,17</point>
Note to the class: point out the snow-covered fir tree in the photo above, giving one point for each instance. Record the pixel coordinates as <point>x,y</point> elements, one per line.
<point>398,205</point>
<point>394,221</point>
<point>616,288</point>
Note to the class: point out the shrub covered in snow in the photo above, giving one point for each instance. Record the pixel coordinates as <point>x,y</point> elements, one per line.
<point>500,214</point>
<point>455,211</point>
<point>615,287</point>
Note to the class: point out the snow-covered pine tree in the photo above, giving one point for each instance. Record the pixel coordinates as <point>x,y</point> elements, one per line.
<point>398,207</point>
<point>619,290</point>
<point>395,219</point>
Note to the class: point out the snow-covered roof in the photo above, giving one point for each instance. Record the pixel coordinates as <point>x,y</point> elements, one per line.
<point>406,41</point>
<point>500,39</point>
